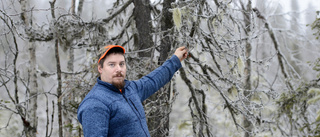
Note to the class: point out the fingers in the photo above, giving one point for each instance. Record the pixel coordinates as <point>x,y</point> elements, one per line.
<point>185,55</point>
<point>182,53</point>
<point>183,49</point>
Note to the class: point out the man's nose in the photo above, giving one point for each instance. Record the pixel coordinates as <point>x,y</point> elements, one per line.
<point>118,68</point>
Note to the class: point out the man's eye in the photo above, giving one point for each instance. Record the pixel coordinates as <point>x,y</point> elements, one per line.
<point>121,64</point>
<point>111,65</point>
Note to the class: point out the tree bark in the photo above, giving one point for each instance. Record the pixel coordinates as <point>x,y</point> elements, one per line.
<point>166,24</point>
<point>31,116</point>
<point>32,111</point>
<point>58,67</point>
<point>247,12</point>
<point>142,16</point>
<point>59,93</point>
<point>80,7</point>
<point>67,99</point>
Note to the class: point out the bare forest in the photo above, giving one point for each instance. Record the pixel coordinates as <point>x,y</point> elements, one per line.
<point>253,67</point>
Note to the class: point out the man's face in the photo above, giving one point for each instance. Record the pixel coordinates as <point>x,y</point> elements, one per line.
<point>114,70</point>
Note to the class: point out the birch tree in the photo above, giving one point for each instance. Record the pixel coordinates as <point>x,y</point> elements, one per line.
<point>31,116</point>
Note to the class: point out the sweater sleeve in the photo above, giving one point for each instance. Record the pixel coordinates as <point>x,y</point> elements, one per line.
<point>149,84</point>
<point>94,117</point>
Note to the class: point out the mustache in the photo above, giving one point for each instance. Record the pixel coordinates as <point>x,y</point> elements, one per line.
<point>118,75</point>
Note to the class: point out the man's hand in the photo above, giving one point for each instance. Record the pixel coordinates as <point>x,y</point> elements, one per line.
<point>181,53</point>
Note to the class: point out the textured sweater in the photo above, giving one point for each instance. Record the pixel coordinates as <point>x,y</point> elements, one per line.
<point>105,111</point>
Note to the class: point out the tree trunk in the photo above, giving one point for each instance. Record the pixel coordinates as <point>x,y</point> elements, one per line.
<point>80,7</point>
<point>32,111</point>
<point>67,99</point>
<point>166,24</point>
<point>293,43</point>
<point>247,68</point>
<point>162,97</point>
<point>144,40</point>
<point>31,116</point>
<point>59,92</point>
<point>143,24</point>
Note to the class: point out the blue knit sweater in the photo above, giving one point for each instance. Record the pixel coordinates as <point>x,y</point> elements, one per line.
<point>107,112</point>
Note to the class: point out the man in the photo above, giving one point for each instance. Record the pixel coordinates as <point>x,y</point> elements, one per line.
<point>113,107</point>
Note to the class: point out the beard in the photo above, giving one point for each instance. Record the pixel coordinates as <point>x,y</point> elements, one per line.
<point>118,84</point>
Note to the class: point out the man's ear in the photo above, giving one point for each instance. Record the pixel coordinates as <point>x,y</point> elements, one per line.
<point>100,68</point>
